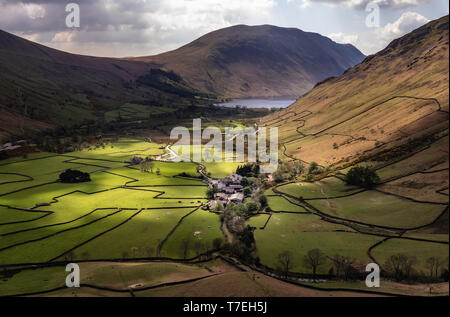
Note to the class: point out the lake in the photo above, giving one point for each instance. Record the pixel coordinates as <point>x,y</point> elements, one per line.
<point>258,103</point>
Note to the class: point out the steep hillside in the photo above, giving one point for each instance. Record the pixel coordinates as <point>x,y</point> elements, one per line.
<point>391,105</point>
<point>46,85</point>
<point>258,61</point>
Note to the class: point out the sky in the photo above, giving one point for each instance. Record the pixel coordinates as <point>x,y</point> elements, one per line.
<point>125,28</point>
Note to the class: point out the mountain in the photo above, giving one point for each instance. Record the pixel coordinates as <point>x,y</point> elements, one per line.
<point>392,106</point>
<point>258,61</point>
<point>41,87</point>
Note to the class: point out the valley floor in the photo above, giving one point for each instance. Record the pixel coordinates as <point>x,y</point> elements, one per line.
<point>140,233</point>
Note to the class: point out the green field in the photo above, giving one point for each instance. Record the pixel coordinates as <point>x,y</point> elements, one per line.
<point>278,204</point>
<point>328,187</point>
<point>421,250</point>
<point>380,209</point>
<point>43,220</point>
<point>126,214</point>
<point>302,233</point>
<point>202,222</point>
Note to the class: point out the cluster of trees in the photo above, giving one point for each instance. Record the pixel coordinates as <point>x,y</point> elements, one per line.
<point>74,176</point>
<point>288,170</point>
<point>362,176</point>
<point>400,267</point>
<point>248,170</point>
<point>148,166</point>
<point>211,191</point>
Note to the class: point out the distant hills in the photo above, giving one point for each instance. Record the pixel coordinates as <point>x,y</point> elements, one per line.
<point>258,61</point>
<point>394,102</point>
<point>41,88</point>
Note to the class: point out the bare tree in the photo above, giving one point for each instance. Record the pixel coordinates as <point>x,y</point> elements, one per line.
<point>343,266</point>
<point>434,264</point>
<point>285,261</point>
<point>401,266</point>
<point>314,259</point>
<point>184,248</point>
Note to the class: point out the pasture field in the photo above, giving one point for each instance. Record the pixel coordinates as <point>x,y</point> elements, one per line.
<point>278,204</point>
<point>389,287</point>
<point>420,161</point>
<point>325,188</point>
<point>376,208</point>
<point>302,233</point>
<point>8,215</point>
<point>258,221</point>
<point>125,214</point>
<point>217,169</point>
<point>421,250</point>
<point>200,228</point>
<point>139,238</point>
<point>120,276</point>
<point>43,220</point>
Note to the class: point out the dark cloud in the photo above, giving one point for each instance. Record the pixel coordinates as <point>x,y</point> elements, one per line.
<point>362,4</point>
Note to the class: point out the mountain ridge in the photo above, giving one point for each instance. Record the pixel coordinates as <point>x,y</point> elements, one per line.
<point>391,98</point>
<point>258,61</point>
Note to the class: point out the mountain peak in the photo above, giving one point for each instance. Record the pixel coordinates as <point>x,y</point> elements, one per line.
<point>258,61</point>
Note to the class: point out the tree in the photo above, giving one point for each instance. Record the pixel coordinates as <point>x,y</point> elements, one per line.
<point>245,182</point>
<point>247,237</point>
<point>252,207</point>
<point>212,191</point>
<point>400,266</point>
<point>147,165</point>
<point>247,191</point>
<point>434,264</point>
<point>313,168</point>
<point>217,243</point>
<point>262,199</point>
<point>362,176</point>
<point>184,248</point>
<point>285,261</point>
<point>314,259</point>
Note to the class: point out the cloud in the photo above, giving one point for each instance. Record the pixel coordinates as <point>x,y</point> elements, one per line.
<point>362,4</point>
<point>344,38</point>
<point>407,22</point>
<point>146,26</point>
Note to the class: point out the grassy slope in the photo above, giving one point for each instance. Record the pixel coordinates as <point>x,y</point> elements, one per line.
<point>350,112</point>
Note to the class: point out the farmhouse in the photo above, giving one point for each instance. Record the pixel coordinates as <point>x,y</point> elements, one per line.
<point>229,191</point>
<point>236,198</point>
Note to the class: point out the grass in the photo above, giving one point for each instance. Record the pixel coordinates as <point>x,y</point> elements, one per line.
<point>30,281</point>
<point>301,233</point>
<point>380,209</point>
<point>208,224</point>
<point>258,221</point>
<point>388,287</point>
<point>278,203</point>
<point>8,215</point>
<point>421,250</point>
<point>147,230</point>
<point>113,275</point>
<point>53,247</point>
<point>328,187</point>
